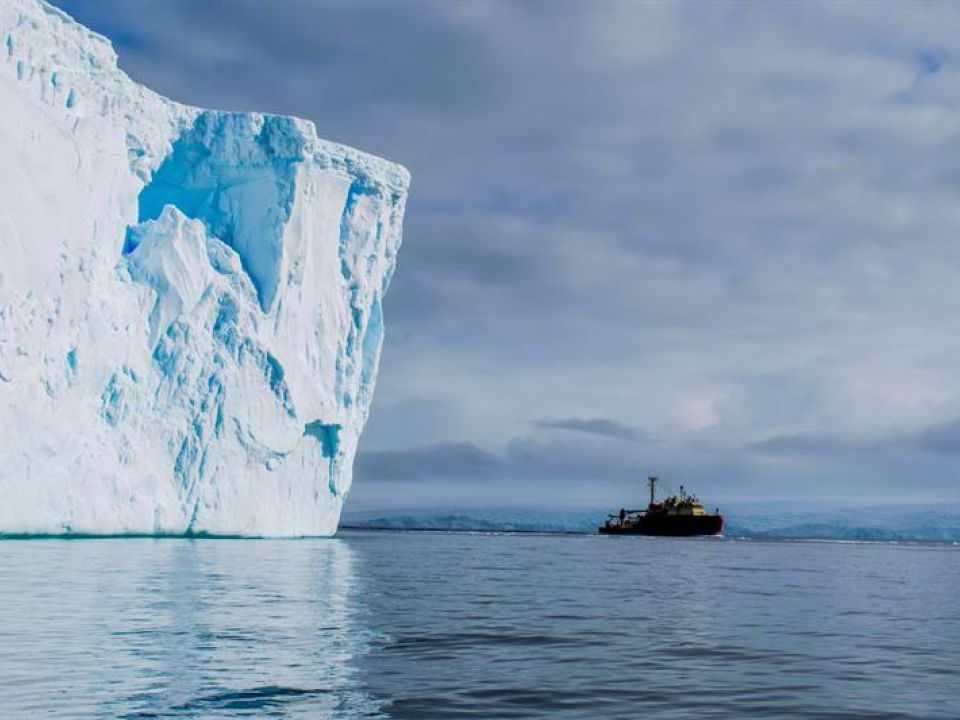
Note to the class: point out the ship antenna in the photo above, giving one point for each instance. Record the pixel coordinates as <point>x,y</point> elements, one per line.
<point>652,480</point>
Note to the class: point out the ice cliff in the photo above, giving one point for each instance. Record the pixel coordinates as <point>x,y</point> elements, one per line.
<point>190,301</point>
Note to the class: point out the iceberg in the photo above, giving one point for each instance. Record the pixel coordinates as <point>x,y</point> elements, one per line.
<point>190,301</point>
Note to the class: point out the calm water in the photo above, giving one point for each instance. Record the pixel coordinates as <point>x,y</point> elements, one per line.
<point>495,626</point>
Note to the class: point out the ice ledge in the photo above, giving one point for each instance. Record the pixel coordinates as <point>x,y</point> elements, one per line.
<point>27,27</point>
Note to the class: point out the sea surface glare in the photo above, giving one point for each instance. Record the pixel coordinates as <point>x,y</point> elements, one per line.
<point>443,625</point>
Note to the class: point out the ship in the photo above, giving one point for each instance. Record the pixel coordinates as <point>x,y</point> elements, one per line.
<point>680,515</point>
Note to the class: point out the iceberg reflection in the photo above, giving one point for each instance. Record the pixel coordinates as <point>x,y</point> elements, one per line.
<point>185,629</point>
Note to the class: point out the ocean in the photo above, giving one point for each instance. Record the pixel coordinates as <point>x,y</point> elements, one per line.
<point>478,625</point>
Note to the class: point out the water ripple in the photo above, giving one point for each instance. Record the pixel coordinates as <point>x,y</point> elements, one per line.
<point>407,625</point>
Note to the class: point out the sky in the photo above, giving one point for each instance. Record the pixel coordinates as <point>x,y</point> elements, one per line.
<point>715,242</point>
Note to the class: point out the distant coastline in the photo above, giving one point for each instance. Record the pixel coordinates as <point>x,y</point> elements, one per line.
<point>915,525</point>
<point>854,538</point>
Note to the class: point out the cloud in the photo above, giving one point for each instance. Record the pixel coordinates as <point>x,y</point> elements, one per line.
<point>939,438</point>
<point>815,445</point>
<point>531,463</point>
<point>448,460</point>
<point>522,458</point>
<point>594,426</point>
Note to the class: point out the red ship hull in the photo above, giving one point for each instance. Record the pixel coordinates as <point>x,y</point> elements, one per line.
<point>664,525</point>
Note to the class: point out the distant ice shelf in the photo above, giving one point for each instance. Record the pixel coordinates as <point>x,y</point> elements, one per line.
<point>190,301</point>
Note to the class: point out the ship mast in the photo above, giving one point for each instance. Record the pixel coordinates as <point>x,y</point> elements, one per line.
<point>652,481</point>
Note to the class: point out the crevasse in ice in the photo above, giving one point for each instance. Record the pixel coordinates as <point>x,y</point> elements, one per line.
<point>190,301</point>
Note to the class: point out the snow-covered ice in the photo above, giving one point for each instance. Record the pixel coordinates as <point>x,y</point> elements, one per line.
<point>190,301</point>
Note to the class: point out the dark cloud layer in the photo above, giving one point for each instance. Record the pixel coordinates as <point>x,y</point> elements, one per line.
<point>720,222</point>
<point>811,445</point>
<point>594,426</point>
<point>448,461</point>
<point>940,438</point>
